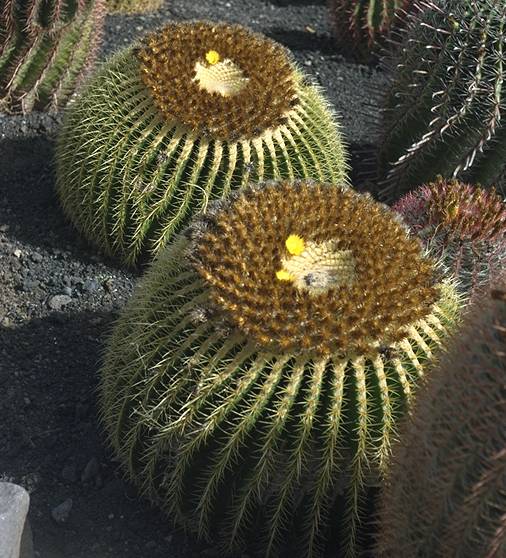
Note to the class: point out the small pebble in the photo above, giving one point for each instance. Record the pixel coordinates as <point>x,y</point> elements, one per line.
<point>61,512</point>
<point>57,302</point>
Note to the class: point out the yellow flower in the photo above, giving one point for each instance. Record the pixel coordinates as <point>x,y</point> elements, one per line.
<point>283,275</point>
<point>212,57</point>
<point>295,245</point>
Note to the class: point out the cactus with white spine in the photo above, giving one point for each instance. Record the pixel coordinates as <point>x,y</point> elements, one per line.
<point>46,49</point>
<point>461,224</point>
<point>192,113</point>
<point>252,386</point>
<point>446,490</point>
<point>445,110</point>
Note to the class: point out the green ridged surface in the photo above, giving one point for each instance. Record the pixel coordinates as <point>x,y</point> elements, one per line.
<point>257,450</point>
<point>446,494</point>
<point>445,109</point>
<point>46,49</point>
<point>129,180</point>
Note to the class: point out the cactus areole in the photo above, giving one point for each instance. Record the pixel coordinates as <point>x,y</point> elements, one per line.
<point>193,112</point>
<point>252,386</point>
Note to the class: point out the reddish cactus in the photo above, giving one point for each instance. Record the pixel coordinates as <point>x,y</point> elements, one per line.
<point>46,48</point>
<point>360,24</point>
<point>446,495</point>
<point>463,225</point>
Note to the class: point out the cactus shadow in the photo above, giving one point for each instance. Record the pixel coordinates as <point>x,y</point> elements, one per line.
<point>53,444</point>
<point>296,39</point>
<point>29,207</point>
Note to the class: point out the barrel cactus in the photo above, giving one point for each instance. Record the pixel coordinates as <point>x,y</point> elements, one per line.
<point>252,386</point>
<point>445,110</point>
<point>446,493</point>
<point>359,25</point>
<point>133,6</point>
<point>464,225</point>
<point>194,112</point>
<point>46,48</point>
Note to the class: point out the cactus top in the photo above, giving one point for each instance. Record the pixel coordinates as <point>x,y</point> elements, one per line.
<point>459,210</point>
<point>219,79</point>
<point>312,268</point>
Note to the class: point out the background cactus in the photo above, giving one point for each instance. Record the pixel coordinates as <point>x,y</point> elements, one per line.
<point>445,109</point>
<point>46,48</point>
<point>133,6</point>
<point>463,225</point>
<point>358,25</point>
<point>196,111</point>
<point>446,494</point>
<point>245,388</point>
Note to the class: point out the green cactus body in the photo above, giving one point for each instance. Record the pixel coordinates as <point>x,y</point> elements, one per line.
<point>133,6</point>
<point>446,493</point>
<point>445,109</point>
<point>245,389</point>
<point>359,25</point>
<point>161,131</point>
<point>46,48</point>
<point>462,225</point>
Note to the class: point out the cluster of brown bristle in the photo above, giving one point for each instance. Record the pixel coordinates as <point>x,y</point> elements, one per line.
<point>168,58</point>
<point>242,246</point>
<point>462,210</point>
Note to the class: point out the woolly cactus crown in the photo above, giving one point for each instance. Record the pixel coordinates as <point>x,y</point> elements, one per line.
<point>344,293</point>
<point>219,79</point>
<point>197,110</point>
<point>464,225</point>
<point>252,386</point>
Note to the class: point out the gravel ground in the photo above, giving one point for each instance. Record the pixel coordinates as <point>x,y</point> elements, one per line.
<point>58,300</point>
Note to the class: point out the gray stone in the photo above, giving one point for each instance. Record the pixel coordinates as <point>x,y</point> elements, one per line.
<point>14,504</point>
<point>61,512</point>
<point>57,302</point>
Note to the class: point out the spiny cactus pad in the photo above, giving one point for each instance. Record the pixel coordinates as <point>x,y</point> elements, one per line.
<point>133,6</point>
<point>46,48</point>
<point>463,225</point>
<point>359,25</point>
<point>252,386</point>
<point>194,112</point>
<point>446,492</point>
<point>446,106</point>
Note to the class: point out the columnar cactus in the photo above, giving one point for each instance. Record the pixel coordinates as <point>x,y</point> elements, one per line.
<point>133,6</point>
<point>445,111</point>
<point>463,225</point>
<point>252,386</point>
<point>194,112</point>
<point>358,25</point>
<point>446,493</point>
<point>46,48</point>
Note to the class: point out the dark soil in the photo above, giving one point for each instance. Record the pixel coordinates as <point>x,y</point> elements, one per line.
<point>58,300</point>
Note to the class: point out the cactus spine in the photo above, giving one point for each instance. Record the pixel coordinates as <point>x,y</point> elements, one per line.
<point>463,225</point>
<point>446,493</point>
<point>445,110</point>
<point>246,389</point>
<point>46,48</point>
<point>196,111</point>
<point>359,25</point>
